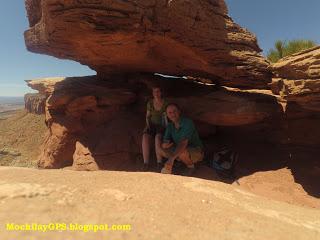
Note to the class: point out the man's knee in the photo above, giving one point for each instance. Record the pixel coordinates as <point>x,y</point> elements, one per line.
<point>159,150</point>
<point>165,152</point>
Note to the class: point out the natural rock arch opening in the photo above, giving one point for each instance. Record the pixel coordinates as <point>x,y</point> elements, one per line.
<point>106,117</point>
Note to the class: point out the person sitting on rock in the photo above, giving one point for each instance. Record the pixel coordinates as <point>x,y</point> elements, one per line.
<point>180,142</point>
<point>156,122</point>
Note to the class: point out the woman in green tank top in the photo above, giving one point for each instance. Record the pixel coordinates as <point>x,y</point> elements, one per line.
<point>156,122</point>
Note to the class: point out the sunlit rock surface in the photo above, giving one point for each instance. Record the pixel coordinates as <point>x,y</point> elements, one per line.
<point>182,38</point>
<point>297,80</point>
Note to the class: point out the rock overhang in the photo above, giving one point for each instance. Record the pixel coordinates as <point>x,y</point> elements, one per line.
<point>195,38</point>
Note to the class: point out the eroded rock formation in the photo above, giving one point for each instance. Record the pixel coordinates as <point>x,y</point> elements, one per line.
<point>302,65</point>
<point>95,124</point>
<point>297,80</point>
<point>35,103</point>
<point>182,38</point>
<point>77,109</point>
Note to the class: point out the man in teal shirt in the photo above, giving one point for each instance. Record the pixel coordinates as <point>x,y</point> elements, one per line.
<point>180,142</point>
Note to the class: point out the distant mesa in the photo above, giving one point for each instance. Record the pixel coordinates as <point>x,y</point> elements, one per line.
<point>8,105</point>
<point>35,103</point>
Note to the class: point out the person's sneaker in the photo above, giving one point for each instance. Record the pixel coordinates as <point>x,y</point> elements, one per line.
<point>145,167</point>
<point>167,169</point>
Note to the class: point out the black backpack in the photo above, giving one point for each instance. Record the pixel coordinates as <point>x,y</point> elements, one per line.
<point>223,162</point>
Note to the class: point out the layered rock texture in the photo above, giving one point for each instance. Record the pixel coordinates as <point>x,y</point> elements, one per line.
<point>35,103</point>
<point>181,37</point>
<point>94,123</point>
<point>302,65</point>
<point>297,80</point>
<point>81,113</point>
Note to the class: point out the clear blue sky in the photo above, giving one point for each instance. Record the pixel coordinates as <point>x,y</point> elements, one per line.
<point>269,20</point>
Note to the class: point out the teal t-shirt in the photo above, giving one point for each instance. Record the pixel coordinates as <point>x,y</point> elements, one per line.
<point>186,130</point>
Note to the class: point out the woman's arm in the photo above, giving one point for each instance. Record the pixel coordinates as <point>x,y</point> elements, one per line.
<point>164,120</point>
<point>148,115</point>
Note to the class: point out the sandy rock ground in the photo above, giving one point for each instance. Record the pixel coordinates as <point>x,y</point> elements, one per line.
<point>156,207</point>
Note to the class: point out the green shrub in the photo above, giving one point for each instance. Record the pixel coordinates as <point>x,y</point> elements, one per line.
<point>285,48</point>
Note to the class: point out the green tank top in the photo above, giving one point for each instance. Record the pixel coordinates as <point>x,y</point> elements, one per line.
<point>156,117</point>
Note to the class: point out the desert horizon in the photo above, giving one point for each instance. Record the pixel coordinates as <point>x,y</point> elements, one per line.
<point>8,105</point>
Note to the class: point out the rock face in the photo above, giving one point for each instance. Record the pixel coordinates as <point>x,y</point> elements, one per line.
<point>77,111</point>
<point>305,92</point>
<point>298,82</point>
<point>302,65</point>
<point>298,78</point>
<point>35,103</point>
<point>239,108</point>
<point>181,37</point>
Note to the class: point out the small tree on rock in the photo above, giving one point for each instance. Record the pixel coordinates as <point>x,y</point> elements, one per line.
<point>285,48</point>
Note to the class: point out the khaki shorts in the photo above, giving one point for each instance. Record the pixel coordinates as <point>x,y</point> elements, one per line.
<point>196,154</point>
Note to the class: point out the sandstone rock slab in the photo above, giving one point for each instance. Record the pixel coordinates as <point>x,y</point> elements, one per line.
<point>179,207</point>
<point>182,38</point>
<point>301,65</point>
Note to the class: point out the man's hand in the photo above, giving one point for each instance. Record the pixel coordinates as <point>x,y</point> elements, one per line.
<point>167,145</point>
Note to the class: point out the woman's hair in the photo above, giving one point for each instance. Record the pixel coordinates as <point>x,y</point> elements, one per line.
<point>155,85</point>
